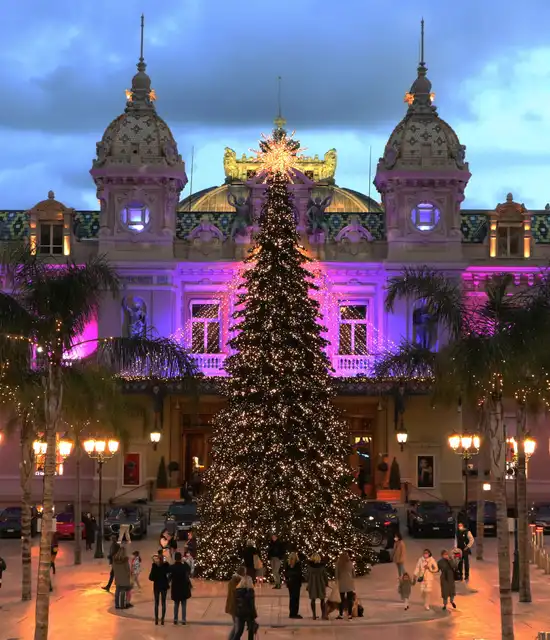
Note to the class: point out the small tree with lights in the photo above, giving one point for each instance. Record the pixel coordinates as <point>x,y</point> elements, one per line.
<point>279,447</point>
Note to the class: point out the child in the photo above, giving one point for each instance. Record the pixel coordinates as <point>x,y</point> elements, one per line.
<point>191,562</point>
<point>135,569</point>
<point>404,588</point>
<point>456,555</point>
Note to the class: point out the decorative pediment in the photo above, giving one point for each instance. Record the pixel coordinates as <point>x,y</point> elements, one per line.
<point>50,209</point>
<point>510,211</point>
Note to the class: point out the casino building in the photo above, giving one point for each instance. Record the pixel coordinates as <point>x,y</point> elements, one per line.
<point>179,255</point>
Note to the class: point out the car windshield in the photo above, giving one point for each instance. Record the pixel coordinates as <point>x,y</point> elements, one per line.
<point>65,517</point>
<point>11,512</point>
<point>383,507</point>
<point>433,507</point>
<point>182,510</point>
<point>543,510</point>
<point>121,513</point>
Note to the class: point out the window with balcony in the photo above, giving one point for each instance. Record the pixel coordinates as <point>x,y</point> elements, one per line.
<point>205,327</point>
<point>510,241</point>
<point>353,334</point>
<point>51,239</point>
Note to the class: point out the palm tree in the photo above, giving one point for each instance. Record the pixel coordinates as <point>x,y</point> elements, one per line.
<point>486,341</point>
<point>22,401</point>
<point>49,308</point>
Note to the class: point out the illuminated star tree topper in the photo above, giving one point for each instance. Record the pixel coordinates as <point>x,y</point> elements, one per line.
<point>278,153</point>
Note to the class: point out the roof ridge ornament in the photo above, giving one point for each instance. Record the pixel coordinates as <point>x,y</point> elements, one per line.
<point>141,96</point>
<point>420,97</point>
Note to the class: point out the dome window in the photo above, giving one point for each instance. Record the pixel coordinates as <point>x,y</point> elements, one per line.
<point>135,217</point>
<point>425,216</point>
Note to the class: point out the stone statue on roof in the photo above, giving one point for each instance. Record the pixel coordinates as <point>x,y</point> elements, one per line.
<point>243,215</point>
<point>317,220</point>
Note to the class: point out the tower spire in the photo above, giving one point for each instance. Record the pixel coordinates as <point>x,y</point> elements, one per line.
<point>279,120</point>
<point>420,96</point>
<point>141,96</point>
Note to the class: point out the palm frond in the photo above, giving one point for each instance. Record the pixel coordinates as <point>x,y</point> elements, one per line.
<point>151,357</point>
<point>442,295</point>
<point>409,361</point>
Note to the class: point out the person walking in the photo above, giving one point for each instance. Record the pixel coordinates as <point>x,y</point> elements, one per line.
<point>345,579</point>
<point>135,569</point>
<point>293,579</point>
<point>89,530</point>
<point>404,588</point>
<point>399,554</point>
<point>231,600</point>
<point>180,581</point>
<point>246,608</point>
<point>3,567</point>
<point>123,579</point>
<point>160,577</point>
<point>317,583</point>
<point>424,574</point>
<point>54,549</point>
<point>250,556</point>
<point>276,555</point>
<point>465,542</point>
<point>447,579</point>
<point>112,552</point>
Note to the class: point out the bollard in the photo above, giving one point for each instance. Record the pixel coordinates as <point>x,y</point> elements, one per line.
<point>547,568</point>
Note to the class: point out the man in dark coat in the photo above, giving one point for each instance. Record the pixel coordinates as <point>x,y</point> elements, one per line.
<point>276,555</point>
<point>465,542</point>
<point>112,552</point>
<point>181,587</point>
<point>89,530</point>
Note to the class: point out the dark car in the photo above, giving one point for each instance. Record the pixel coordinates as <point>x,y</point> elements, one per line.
<point>539,514</point>
<point>430,517</point>
<point>489,518</point>
<point>10,522</point>
<point>181,517</point>
<point>132,515</point>
<point>378,520</point>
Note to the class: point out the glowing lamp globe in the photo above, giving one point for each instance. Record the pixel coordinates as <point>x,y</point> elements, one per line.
<point>64,446</point>
<point>112,446</point>
<point>155,437</point>
<point>476,442</point>
<point>466,441</point>
<point>454,441</point>
<point>530,445</point>
<point>100,446</point>
<point>39,447</point>
<point>89,445</point>
<point>486,486</point>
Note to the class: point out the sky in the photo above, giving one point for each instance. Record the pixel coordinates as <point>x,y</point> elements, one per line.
<point>345,67</point>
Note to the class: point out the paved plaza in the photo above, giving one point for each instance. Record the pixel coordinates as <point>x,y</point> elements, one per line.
<point>80,610</point>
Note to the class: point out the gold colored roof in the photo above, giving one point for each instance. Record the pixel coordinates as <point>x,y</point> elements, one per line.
<point>314,168</point>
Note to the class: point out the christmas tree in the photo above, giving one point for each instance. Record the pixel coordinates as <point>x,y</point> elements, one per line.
<point>279,447</point>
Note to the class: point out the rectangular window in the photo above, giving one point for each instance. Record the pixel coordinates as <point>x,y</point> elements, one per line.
<point>51,239</point>
<point>353,335</point>
<point>205,327</point>
<point>510,241</point>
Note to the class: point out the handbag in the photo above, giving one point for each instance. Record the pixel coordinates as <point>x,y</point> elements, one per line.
<point>420,578</point>
<point>258,564</point>
<point>334,595</point>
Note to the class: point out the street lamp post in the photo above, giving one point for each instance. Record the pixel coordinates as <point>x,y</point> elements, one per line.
<point>155,438</point>
<point>100,450</point>
<point>529,446</point>
<point>465,445</point>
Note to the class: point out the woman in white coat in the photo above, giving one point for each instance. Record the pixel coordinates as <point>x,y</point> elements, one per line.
<point>424,573</point>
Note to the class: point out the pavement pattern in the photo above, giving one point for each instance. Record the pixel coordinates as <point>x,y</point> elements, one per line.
<point>81,610</point>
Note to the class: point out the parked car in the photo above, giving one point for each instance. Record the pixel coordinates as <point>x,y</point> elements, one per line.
<point>489,517</point>
<point>180,517</point>
<point>64,525</point>
<point>430,517</point>
<point>378,520</point>
<point>132,515</point>
<point>539,514</point>
<point>10,522</point>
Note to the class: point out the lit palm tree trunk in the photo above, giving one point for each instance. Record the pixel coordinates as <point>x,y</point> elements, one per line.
<point>77,503</point>
<point>53,391</point>
<point>497,439</point>
<point>523,535</point>
<point>25,475</point>
<point>480,511</point>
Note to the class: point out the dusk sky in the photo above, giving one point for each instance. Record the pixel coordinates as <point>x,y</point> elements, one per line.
<point>346,65</point>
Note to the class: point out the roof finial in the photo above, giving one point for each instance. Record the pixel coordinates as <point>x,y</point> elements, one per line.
<point>141,59</point>
<point>279,120</point>
<point>141,96</point>
<point>422,61</point>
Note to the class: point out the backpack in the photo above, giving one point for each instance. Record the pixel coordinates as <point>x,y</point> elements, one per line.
<point>2,565</point>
